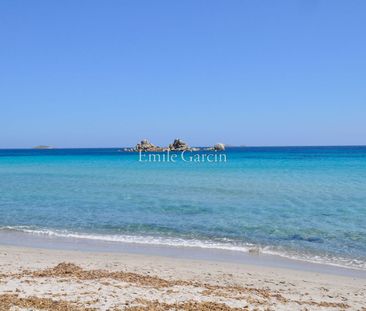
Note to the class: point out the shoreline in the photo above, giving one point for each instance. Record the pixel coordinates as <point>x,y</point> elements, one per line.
<point>78,280</point>
<point>40,241</point>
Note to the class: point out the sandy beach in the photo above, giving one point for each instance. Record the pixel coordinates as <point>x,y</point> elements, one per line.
<point>43,279</point>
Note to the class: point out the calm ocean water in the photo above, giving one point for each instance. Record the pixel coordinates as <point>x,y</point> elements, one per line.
<point>301,202</point>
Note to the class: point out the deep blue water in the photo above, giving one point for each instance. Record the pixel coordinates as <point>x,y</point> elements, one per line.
<point>302,202</point>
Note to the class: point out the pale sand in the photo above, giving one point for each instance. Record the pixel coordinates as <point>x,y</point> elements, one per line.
<point>116,281</point>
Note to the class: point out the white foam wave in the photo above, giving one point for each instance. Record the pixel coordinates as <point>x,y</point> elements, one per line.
<point>133,239</point>
<point>193,243</point>
<point>335,261</point>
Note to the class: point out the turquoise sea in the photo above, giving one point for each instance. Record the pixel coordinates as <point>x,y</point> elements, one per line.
<point>304,203</point>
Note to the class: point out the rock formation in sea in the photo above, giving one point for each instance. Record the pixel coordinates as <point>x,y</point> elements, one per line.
<point>219,147</point>
<point>42,147</point>
<point>178,145</point>
<point>146,146</point>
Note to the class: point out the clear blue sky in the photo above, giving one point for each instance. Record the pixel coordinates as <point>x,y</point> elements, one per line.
<point>86,73</point>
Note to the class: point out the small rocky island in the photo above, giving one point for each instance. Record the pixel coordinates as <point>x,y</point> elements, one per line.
<point>218,147</point>
<point>180,145</point>
<point>177,145</point>
<point>42,147</point>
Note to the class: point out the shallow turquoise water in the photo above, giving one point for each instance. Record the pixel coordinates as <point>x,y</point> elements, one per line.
<point>305,203</point>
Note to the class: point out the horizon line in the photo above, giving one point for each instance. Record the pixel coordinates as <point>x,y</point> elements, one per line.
<point>227,146</point>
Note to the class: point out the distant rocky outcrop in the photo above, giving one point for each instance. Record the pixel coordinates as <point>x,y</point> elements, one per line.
<point>42,147</point>
<point>219,147</point>
<point>178,145</point>
<point>145,146</point>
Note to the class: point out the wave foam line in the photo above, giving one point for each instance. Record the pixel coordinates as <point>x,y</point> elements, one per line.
<point>178,242</point>
<point>133,239</point>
